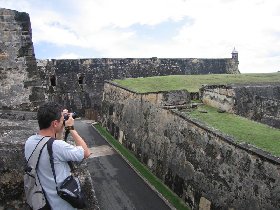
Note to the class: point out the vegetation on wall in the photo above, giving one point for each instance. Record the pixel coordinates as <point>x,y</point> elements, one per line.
<point>192,83</point>
<point>240,128</point>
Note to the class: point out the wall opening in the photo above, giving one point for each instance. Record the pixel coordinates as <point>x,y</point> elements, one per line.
<point>111,110</point>
<point>81,79</point>
<point>53,80</point>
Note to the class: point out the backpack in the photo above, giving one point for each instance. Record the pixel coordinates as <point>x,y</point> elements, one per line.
<point>34,192</point>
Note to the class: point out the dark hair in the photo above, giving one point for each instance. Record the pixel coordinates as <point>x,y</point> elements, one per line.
<point>47,113</point>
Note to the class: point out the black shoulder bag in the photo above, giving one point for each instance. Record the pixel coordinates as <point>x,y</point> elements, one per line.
<point>70,190</point>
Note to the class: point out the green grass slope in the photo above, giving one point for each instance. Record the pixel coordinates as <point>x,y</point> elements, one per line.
<point>192,83</point>
<point>241,129</point>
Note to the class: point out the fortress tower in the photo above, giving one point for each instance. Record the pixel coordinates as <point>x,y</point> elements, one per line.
<point>234,54</point>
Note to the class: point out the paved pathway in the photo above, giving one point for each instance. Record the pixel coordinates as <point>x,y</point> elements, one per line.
<point>117,186</point>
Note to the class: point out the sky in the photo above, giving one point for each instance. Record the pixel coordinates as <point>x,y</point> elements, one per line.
<point>63,29</point>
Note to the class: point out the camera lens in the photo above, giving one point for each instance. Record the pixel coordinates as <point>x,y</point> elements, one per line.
<point>66,116</point>
<point>74,115</point>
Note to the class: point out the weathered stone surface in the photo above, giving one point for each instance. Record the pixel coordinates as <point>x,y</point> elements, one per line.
<point>257,102</point>
<point>204,204</point>
<point>219,96</point>
<point>17,115</point>
<point>18,66</point>
<point>260,103</point>
<point>193,160</point>
<point>79,97</point>
<point>13,134</point>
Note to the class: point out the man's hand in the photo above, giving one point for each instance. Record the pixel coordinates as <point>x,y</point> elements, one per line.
<point>70,121</point>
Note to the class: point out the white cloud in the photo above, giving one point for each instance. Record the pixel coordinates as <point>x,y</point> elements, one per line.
<point>107,27</point>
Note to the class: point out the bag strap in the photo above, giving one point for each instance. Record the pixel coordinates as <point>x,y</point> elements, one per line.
<point>50,151</point>
<point>33,160</point>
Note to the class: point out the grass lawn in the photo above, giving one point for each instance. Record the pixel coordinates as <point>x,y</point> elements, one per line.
<point>192,83</point>
<point>242,129</point>
<point>143,170</point>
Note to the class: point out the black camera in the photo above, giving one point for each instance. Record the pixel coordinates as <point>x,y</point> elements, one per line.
<point>66,116</point>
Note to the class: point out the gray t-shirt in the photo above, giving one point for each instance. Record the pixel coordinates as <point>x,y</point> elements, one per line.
<point>62,152</point>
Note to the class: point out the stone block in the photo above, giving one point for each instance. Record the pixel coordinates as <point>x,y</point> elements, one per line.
<point>204,204</point>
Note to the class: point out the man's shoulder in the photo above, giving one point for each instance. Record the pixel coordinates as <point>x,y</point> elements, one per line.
<point>65,151</point>
<point>30,144</point>
<point>60,143</point>
<point>32,139</point>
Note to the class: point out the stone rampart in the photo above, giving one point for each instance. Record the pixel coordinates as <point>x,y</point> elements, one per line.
<point>20,86</point>
<point>257,102</point>
<point>78,83</point>
<point>207,169</point>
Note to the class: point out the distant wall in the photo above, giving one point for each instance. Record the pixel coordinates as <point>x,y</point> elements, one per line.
<point>20,86</point>
<point>206,169</point>
<point>257,102</point>
<point>79,82</point>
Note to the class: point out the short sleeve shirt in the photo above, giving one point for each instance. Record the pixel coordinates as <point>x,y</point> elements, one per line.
<point>62,153</point>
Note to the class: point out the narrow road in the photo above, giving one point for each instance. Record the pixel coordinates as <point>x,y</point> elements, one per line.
<point>116,184</point>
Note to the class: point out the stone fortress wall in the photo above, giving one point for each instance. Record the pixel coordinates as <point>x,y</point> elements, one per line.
<point>20,86</point>
<point>192,160</point>
<point>207,169</point>
<point>76,83</point>
<point>256,102</point>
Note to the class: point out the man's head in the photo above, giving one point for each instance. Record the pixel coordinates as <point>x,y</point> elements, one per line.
<point>49,113</point>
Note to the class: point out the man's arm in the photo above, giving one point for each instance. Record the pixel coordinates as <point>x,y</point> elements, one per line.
<point>77,138</point>
<point>80,142</point>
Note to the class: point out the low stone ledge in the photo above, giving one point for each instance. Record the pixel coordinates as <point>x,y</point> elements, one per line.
<point>17,115</point>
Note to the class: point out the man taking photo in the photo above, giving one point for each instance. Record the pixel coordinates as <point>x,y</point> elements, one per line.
<point>50,118</point>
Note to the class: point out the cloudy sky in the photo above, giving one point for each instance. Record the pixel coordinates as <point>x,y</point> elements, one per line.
<point>156,28</point>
